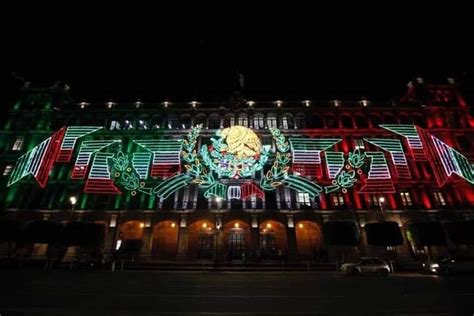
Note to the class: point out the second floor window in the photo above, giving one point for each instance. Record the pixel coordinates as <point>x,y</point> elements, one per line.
<point>272,122</point>
<point>243,121</point>
<point>7,170</point>
<point>258,122</point>
<point>439,198</point>
<point>18,145</point>
<point>303,199</point>
<point>406,198</point>
<point>114,125</point>
<point>337,199</point>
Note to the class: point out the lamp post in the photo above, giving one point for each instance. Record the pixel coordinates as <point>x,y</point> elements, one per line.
<point>73,201</point>
<point>381,204</point>
<point>218,228</point>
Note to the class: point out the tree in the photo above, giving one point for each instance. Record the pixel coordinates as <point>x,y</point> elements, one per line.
<point>384,234</point>
<point>460,232</point>
<point>341,234</point>
<point>84,234</point>
<point>9,232</point>
<point>426,234</point>
<point>41,232</point>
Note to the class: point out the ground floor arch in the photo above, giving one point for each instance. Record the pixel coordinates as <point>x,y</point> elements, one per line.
<point>131,230</point>
<point>201,239</point>
<point>273,240</point>
<point>236,239</point>
<point>308,239</point>
<point>164,243</point>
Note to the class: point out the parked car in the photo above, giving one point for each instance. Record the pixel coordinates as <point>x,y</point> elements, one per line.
<point>450,265</point>
<point>367,265</point>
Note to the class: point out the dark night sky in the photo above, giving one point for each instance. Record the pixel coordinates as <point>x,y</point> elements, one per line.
<point>371,60</point>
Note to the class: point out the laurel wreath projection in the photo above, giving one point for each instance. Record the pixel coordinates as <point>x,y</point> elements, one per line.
<point>221,159</point>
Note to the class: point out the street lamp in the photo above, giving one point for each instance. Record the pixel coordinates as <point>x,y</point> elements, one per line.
<point>218,228</point>
<point>73,201</point>
<point>381,204</point>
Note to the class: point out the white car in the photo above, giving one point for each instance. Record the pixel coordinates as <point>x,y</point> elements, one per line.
<point>367,265</point>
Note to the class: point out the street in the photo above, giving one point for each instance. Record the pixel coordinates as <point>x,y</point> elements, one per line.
<point>34,292</point>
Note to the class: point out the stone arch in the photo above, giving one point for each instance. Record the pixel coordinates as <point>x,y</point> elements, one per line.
<point>309,238</point>
<point>273,240</point>
<point>165,240</point>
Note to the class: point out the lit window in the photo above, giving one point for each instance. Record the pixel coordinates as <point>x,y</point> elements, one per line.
<point>359,144</point>
<point>338,199</point>
<point>375,200</point>
<point>232,121</point>
<point>258,122</point>
<point>127,125</point>
<point>142,125</point>
<point>114,125</point>
<point>284,122</point>
<point>272,122</point>
<point>303,198</point>
<point>7,170</point>
<point>243,121</point>
<point>439,198</point>
<point>18,145</point>
<point>406,198</point>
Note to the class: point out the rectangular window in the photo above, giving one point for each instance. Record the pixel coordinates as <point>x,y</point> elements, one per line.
<point>243,121</point>
<point>7,170</point>
<point>337,199</point>
<point>303,198</point>
<point>272,122</point>
<point>114,125</point>
<point>18,145</point>
<point>439,198</point>
<point>406,198</point>
<point>374,200</point>
<point>258,122</point>
<point>284,122</point>
<point>359,144</point>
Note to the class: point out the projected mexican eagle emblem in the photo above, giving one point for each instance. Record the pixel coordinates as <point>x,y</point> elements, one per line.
<point>236,153</point>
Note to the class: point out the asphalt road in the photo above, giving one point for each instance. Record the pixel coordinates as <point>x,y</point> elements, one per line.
<point>30,292</point>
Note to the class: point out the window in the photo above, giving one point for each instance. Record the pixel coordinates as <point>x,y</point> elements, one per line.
<point>303,198</point>
<point>258,122</point>
<point>243,121</point>
<point>284,122</point>
<point>439,198</point>
<point>114,125</point>
<point>127,124</point>
<point>359,144</point>
<point>406,198</point>
<point>346,121</point>
<point>214,122</point>
<point>287,122</point>
<point>18,145</point>
<point>271,121</point>
<point>374,200</point>
<point>337,199</point>
<point>7,170</point>
<point>142,125</point>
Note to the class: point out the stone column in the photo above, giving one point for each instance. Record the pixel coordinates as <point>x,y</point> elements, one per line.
<point>291,239</point>
<point>254,236</point>
<point>182,239</point>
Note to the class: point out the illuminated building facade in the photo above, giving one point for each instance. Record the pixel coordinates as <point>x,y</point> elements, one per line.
<point>195,179</point>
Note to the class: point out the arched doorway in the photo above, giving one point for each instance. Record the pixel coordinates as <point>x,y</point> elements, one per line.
<point>236,239</point>
<point>131,230</point>
<point>273,242</point>
<point>201,239</point>
<point>165,240</point>
<point>308,239</point>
